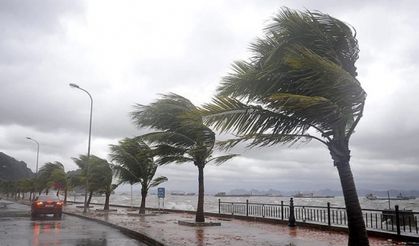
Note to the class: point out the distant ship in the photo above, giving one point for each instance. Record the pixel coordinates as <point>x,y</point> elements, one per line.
<point>182,194</point>
<point>223,194</point>
<point>371,197</point>
<point>399,197</point>
<point>310,195</point>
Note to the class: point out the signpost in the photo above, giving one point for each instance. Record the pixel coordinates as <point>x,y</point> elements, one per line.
<point>161,192</point>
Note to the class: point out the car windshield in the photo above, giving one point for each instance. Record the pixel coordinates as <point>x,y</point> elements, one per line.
<point>47,198</point>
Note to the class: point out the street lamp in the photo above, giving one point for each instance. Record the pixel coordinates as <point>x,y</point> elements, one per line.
<point>37,155</point>
<point>88,146</point>
<point>36,168</point>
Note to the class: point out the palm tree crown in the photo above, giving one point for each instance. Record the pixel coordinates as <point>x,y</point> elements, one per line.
<point>181,136</point>
<point>301,77</point>
<point>135,164</point>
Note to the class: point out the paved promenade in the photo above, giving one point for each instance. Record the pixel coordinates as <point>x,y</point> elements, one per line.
<point>165,229</point>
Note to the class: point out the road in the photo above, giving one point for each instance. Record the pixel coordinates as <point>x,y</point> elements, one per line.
<point>17,229</point>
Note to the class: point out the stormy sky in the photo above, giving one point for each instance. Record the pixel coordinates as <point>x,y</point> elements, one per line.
<point>127,52</point>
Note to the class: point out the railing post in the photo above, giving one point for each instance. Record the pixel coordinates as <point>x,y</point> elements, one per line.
<point>232,208</point>
<point>396,209</point>
<point>282,210</point>
<point>328,214</point>
<point>247,208</point>
<point>263,210</point>
<point>219,206</point>
<point>291,219</point>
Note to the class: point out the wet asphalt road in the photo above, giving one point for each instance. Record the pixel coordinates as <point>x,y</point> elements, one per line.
<point>70,230</point>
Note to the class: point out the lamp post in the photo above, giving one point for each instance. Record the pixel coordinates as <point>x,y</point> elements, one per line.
<point>36,168</point>
<point>88,145</point>
<point>37,155</point>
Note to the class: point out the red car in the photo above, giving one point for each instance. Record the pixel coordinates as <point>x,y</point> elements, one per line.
<point>47,204</point>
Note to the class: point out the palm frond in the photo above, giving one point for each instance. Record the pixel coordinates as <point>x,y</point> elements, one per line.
<point>170,138</point>
<point>229,114</point>
<point>163,160</point>
<point>221,159</point>
<point>165,149</point>
<point>134,161</point>
<point>157,181</point>
<point>163,114</point>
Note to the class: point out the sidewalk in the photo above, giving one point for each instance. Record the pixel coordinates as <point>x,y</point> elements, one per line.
<point>165,229</point>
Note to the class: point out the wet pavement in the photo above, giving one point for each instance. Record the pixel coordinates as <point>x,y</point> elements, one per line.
<point>17,229</point>
<point>164,228</point>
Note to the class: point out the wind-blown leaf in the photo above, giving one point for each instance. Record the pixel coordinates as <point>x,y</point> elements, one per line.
<point>221,159</point>
<point>157,181</point>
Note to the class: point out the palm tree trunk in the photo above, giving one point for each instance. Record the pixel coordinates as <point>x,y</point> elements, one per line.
<point>107,195</point>
<point>90,198</point>
<point>356,225</point>
<point>143,199</point>
<point>200,208</point>
<point>339,150</point>
<point>65,195</point>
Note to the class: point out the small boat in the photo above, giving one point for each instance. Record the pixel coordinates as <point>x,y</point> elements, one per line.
<point>371,197</point>
<point>182,194</point>
<point>399,197</point>
<point>223,194</point>
<point>310,195</point>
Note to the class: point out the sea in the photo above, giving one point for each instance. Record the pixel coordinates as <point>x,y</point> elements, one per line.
<point>189,202</point>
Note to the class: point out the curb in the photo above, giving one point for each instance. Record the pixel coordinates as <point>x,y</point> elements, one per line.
<point>133,234</point>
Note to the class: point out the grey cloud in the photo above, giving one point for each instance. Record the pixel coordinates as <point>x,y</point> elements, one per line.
<point>36,16</point>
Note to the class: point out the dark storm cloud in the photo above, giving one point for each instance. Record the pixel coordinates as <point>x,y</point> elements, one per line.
<point>24,23</point>
<point>26,30</point>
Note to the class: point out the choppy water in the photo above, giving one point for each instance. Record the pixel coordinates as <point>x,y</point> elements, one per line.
<point>211,202</point>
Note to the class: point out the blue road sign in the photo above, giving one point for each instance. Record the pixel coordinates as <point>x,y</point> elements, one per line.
<point>160,192</point>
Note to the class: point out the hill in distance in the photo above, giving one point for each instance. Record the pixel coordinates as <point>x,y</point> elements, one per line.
<point>12,169</point>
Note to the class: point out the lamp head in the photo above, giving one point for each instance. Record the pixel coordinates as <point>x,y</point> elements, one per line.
<point>74,85</point>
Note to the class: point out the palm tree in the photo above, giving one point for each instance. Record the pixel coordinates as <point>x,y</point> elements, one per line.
<point>52,175</point>
<point>8,187</point>
<point>135,164</point>
<point>100,176</point>
<point>74,180</point>
<point>25,186</point>
<point>181,137</point>
<point>300,84</point>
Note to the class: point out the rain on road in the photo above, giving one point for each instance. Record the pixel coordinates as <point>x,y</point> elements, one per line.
<point>46,230</point>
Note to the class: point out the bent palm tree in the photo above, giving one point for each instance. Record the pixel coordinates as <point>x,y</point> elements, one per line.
<point>100,175</point>
<point>52,174</point>
<point>135,164</point>
<point>182,137</point>
<point>299,84</point>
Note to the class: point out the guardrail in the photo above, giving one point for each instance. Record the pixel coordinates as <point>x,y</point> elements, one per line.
<point>391,221</point>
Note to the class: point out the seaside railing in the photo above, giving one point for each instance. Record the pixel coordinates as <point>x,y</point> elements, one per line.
<point>393,221</point>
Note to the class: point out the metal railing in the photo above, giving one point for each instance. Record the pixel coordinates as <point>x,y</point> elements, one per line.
<point>394,221</point>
